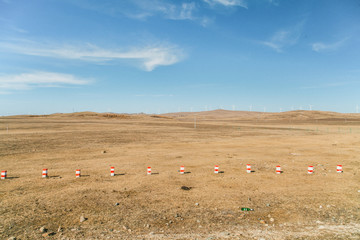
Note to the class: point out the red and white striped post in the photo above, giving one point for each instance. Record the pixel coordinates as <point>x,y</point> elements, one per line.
<point>278,169</point>
<point>45,173</point>
<point>339,169</point>
<point>149,170</point>
<point>112,171</point>
<point>216,169</point>
<point>3,174</point>
<point>182,169</point>
<point>310,169</point>
<point>248,168</point>
<point>78,174</point>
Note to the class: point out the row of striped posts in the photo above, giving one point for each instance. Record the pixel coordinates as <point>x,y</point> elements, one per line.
<point>182,171</point>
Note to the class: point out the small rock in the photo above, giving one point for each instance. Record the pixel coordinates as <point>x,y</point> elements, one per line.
<point>124,227</point>
<point>12,238</point>
<point>262,221</point>
<point>177,215</point>
<point>321,227</point>
<point>185,188</point>
<point>272,219</point>
<point>320,206</point>
<point>269,216</point>
<point>268,205</point>
<point>129,230</point>
<point>152,233</point>
<point>198,221</point>
<point>82,219</point>
<point>319,222</point>
<point>358,191</point>
<point>147,225</point>
<point>328,206</point>
<point>103,151</point>
<point>117,204</point>
<point>60,229</point>
<point>48,234</point>
<point>196,204</point>
<point>43,229</point>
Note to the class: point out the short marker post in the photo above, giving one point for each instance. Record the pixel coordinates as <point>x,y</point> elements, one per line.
<point>310,169</point>
<point>149,170</point>
<point>216,169</point>
<point>182,169</point>
<point>339,169</point>
<point>112,171</point>
<point>45,173</point>
<point>248,168</point>
<point>278,169</point>
<point>3,174</point>
<point>78,174</point>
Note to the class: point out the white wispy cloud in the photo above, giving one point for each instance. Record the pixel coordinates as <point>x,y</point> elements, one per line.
<point>323,47</point>
<point>182,12</point>
<point>27,81</point>
<point>228,3</point>
<point>284,38</point>
<point>144,9</point>
<point>274,2</point>
<point>17,29</point>
<point>168,10</point>
<point>149,57</point>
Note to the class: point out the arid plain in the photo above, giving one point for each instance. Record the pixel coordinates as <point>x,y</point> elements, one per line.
<point>134,205</point>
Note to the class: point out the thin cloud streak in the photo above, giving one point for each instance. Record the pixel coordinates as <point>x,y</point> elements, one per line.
<point>228,3</point>
<point>27,81</point>
<point>284,38</point>
<point>168,10</point>
<point>144,9</point>
<point>323,47</point>
<point>149,57</point>
<point>184,11</point>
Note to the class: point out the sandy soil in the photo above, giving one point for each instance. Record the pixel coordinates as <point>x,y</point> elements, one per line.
<point>133,205</point>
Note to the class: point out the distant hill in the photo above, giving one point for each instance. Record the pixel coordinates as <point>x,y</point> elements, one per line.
<point>281,116</point>
<point>220,114</point>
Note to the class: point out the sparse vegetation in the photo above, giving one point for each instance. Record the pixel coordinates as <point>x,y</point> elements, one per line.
<point>134,205</point>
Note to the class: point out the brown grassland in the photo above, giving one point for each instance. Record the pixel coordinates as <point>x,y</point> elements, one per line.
<point>291,205</point>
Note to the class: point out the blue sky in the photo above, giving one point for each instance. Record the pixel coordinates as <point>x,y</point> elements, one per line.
<point>157,56</point>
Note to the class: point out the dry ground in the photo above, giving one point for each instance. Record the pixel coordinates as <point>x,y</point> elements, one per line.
<point>293,205</point>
